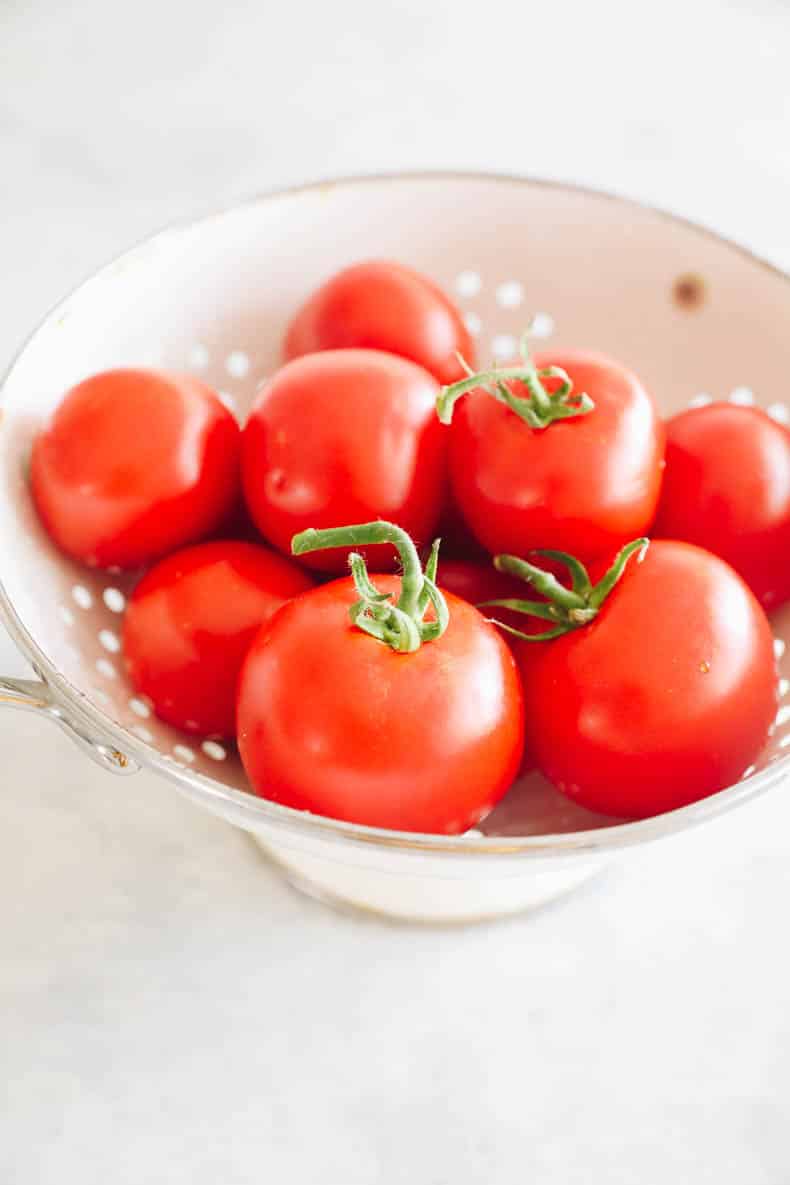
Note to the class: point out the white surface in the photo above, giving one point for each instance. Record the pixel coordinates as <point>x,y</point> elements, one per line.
<point>171,1012</point>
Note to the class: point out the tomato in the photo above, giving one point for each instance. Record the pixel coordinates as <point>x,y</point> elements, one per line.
<point>133,464</point>
<point>383,306</point>
<point>661,694</point>
<point>340,437</point>
<point>334,721</point>
<point>727,488</point>
<point>190,623</point>
<point>584,484</point>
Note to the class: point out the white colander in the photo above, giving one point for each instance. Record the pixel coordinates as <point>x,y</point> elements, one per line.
<point>696,317</point>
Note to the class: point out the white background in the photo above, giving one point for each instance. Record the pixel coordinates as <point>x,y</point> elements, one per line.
<point>169,1010</point>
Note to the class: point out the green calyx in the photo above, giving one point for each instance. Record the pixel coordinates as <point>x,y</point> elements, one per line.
<point>566,609</point>
<point>399,625</point>
<point>539,408</point>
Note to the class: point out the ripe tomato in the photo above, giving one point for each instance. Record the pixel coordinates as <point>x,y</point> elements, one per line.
<point>190,623</point>
<point>664,697</point>
<point>340,437</point>
<point>727,488</point>
<point>133,464</point>
<point>383,306</point>
<point>585,484</point>
<point>334,721</point>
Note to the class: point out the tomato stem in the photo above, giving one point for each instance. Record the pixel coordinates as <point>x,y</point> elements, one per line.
<point>567,608</point>
<point>539,409</point>
<point>399,625</point>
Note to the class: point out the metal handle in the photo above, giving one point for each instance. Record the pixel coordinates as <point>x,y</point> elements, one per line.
<point>35,695</point>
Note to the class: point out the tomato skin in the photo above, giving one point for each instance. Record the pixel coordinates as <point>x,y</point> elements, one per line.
<point>458,542</point>
<point>727,488</point>
<point>585,485</point>
<point>335,722</point>
<point>190,623</point>
<point>665,698</point>
<point>384,306</point>
<point>345,436</point>
<point>133,464</point>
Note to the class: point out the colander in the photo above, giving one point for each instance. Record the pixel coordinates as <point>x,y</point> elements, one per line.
<point>697,317</point>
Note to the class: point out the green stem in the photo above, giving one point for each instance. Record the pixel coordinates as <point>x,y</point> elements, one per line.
<point>545,582</point>
<point>366,535</point>
<point>607,582</point>
<point>401,625</point>
<point>570,609</point>
<point>429,577</point>
<point>580,581</point>
<point>541,408</point>
<point>364,585</point>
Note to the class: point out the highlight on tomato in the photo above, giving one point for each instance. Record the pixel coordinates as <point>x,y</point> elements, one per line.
<point>390,704</point>
<point>563,451</point>
<point>380,305</point>
<point>190,623</point>
<point>727,488</point>
<point>133,464</point>
<point>345,436</point>
<point>650,689</point>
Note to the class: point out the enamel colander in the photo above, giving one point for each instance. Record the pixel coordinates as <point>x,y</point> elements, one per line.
<point>697,317</point>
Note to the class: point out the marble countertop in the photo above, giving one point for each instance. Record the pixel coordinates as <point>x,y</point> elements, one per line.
<point>171,1011</point>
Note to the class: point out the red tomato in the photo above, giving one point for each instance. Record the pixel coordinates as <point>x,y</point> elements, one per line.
<point>584,485</point>
<point>333,721</point>
<point>190,624</point>
<point>727,488</point>
<point>133,464</point>
<point>383,306</point>
<point>340,437</point>
<point>666,697</point>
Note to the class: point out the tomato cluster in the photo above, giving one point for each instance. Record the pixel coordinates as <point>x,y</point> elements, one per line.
<point>638,673</point>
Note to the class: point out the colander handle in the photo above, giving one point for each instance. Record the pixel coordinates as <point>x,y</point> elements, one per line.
<point>34,695</point>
